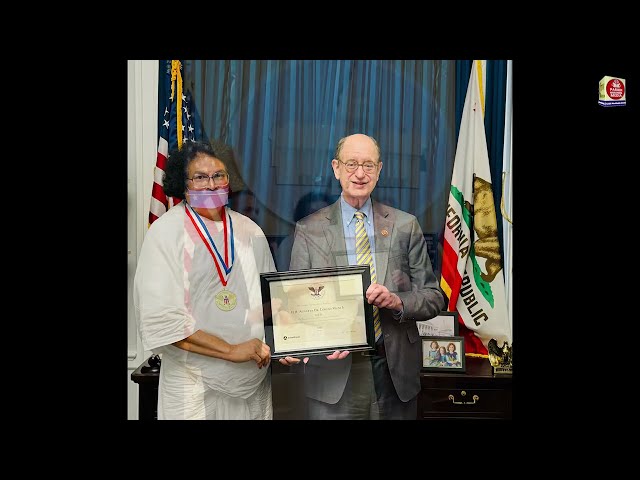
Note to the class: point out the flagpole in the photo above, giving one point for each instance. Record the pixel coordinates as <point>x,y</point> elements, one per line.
<point>507,195</point>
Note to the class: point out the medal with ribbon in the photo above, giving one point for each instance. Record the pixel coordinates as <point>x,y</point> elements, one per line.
<point>225,299</point>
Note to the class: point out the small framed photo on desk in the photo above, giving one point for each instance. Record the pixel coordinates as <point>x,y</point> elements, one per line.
<point>445,324</point>
<point>443,354</point>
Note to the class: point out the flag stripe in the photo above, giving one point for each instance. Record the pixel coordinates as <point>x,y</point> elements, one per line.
<point>450,275</point>
<point>446,289</point>
<point>158,174</point>
<point>163,150</point>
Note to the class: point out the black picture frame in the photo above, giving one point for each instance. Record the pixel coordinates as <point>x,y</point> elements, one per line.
<point>437,363</point>
<point>317,311</point>
<point>445,324</point>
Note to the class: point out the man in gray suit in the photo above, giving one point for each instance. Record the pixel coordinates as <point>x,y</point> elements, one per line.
<point>382,384</point>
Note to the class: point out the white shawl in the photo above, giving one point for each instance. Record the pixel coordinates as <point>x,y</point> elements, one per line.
<point>174,293</point>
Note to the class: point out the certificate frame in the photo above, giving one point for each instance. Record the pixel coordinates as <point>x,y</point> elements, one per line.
<point>317,311</point>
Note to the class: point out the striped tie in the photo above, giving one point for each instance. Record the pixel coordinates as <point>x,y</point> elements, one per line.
<point>363,257</point>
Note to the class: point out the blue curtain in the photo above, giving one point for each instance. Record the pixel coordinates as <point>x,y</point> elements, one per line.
<point>283,119</point>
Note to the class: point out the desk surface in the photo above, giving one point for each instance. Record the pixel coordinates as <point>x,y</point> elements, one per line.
<point>475,367</point>
<point>478,370</point>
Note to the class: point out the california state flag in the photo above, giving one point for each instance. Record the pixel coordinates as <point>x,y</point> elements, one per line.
<point>472,273</point>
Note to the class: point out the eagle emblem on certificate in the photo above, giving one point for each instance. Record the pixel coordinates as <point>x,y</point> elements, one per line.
<point>317,291</point>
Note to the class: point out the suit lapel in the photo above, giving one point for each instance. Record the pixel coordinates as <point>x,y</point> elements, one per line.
<point>382,222</point>
<point>334,234</point>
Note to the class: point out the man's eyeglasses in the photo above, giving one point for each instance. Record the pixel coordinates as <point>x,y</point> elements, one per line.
<point>351,166</point>
<point>220,179</point>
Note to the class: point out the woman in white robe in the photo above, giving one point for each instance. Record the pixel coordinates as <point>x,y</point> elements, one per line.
<point>198,298</point>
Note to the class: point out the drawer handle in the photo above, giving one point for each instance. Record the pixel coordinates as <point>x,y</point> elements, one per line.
<point>463,393</point>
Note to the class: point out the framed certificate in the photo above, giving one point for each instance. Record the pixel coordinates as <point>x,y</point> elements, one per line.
<point>317,311</point>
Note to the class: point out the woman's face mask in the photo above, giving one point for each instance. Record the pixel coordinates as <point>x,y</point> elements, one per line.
<point>209,198</point>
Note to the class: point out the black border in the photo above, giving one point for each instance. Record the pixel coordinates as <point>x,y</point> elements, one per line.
<point>461,353</point>
<point>265,286</point>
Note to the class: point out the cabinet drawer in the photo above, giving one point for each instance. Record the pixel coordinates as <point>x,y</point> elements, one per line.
<point>464,403</point>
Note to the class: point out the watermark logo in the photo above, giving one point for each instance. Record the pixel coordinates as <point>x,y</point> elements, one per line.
<point>612,92</point>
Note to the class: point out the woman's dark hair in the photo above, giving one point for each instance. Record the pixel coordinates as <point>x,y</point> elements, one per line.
<point>175,172</point>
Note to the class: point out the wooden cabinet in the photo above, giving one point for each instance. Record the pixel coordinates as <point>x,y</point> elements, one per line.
<point>474,394</point>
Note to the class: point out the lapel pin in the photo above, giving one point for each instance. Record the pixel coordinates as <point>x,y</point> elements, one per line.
<point>384,232</point>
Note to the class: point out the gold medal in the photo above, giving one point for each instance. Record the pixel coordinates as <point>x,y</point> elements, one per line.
<point>226,300</point>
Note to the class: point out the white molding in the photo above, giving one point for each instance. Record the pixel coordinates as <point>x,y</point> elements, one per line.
<point>147,135</point>
<point>142,138</point>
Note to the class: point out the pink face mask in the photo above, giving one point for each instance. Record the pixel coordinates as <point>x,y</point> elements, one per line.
<point>209,198</point>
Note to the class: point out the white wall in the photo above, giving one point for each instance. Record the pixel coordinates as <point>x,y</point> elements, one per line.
<point>142,106</point>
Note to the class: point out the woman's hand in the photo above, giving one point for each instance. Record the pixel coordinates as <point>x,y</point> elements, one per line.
<point>253,349</point>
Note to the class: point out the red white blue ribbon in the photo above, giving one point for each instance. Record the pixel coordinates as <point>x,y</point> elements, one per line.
<point>229,250</point>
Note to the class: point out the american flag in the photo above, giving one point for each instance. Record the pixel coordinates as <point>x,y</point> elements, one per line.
<point>173,129</point>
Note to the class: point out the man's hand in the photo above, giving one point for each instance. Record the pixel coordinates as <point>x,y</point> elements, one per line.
<point>288,361</point>
<point>381,297</point>
<point>337,355</point>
